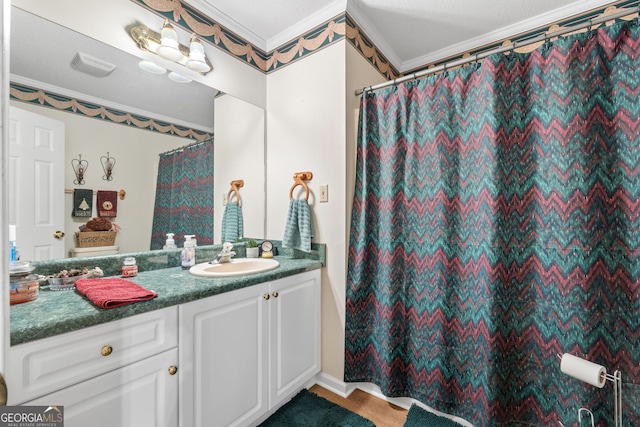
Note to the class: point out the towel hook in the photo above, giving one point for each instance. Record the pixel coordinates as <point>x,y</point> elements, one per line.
<point>235,184</point>
<point>299,178</point>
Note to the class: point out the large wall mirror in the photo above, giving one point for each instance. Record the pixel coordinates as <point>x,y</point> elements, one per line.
<point>41,55</point>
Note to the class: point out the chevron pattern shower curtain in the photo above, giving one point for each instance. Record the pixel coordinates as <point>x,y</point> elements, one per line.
<point>495,225</point>
<point>184,195</point>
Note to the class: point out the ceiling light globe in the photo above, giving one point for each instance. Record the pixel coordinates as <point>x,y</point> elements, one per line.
<point>197,60</point>
<point>169,46</point>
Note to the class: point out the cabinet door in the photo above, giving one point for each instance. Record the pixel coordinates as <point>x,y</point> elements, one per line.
<point>141,394</point>
<point>295,334</point>
<point>224,338</point>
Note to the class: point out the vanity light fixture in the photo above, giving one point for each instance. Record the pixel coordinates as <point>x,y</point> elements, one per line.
<point>167,46</point>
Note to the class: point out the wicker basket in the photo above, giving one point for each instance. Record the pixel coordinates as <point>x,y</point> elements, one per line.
<point>92,239</point>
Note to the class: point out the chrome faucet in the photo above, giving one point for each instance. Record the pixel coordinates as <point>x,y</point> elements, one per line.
<point>224,255</point>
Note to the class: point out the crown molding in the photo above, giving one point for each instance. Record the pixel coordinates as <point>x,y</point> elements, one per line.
<point>538,21</point>
<point>326,13</point>
<point>359,17</point>
<point>228,22</point>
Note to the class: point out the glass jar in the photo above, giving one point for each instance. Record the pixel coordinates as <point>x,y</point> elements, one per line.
<point>23,286</point>
<point>129,269</point>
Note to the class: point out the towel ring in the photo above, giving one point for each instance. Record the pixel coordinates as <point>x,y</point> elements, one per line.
<point>299,178</point>
<point>235,184</point>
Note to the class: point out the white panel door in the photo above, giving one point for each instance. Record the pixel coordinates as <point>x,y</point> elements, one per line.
<point>36,184</point>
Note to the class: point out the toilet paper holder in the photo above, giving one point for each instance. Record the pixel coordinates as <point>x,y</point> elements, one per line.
<point>616,379</point>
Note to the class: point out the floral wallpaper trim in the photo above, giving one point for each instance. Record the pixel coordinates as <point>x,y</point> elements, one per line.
<point>365,46</point>
<point>310,42</point>
<point>63,103</point>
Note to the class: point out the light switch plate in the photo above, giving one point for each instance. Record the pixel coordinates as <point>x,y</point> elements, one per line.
<point>324,193</point>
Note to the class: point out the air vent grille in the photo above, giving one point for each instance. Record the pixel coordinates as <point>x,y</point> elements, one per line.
<point>91,65</point>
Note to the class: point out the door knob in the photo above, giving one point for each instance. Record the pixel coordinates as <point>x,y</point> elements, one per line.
<point>58,234</point>
<point>173,370</point>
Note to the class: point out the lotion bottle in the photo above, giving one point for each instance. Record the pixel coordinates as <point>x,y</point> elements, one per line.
<point>188,256</point>
<point>170,243</point>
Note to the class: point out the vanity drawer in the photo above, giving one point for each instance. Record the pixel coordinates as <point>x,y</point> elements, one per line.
<point>43,366</point>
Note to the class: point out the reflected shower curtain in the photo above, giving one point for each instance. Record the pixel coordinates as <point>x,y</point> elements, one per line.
<point>496,224</point>
<point>184,195</point>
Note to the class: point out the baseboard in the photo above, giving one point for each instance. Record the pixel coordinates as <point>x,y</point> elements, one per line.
<point>343,389</point>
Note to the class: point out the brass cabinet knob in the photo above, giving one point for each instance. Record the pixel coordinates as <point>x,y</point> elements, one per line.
<point>173,370</point>
<point>266,296</point>
<point>106,350</point>
<point>275,294</point>
<point>58,234</point>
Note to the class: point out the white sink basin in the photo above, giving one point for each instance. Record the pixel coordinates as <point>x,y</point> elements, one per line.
<point>236,267</point>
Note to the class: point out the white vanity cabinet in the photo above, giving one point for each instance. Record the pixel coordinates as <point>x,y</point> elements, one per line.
<point>244,352</point>
<point>121,373</point>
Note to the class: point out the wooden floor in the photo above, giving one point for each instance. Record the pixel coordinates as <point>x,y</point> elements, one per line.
<point>380,412</point>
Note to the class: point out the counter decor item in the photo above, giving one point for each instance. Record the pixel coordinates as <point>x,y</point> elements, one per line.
<point>23,285</point>
<point>129,269</point>
<point>66,279</point>
<point>253,251</point>
<point>96,232</point>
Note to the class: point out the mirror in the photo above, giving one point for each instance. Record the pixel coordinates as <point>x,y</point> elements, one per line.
<point>238,125</point>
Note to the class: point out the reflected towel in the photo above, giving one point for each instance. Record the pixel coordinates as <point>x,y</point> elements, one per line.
<point>82,202</point>
<point>298,230</point>
<point>111,292</point>
<point>107,203</point>
<point>232,226</point>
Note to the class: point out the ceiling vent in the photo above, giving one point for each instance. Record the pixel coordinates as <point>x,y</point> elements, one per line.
<point>91,65</point>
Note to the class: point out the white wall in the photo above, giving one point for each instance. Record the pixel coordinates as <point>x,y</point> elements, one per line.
<point>311,125</point>
<point>306,132</point>
<point>239,154</point>
<point>136,153</point>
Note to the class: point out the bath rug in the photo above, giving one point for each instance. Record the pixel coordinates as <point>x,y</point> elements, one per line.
<point>418,417</point>
<point>307,409</point>
<point>111,292</point>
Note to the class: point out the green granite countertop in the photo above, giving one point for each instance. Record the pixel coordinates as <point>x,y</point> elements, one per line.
<point>57,312</point>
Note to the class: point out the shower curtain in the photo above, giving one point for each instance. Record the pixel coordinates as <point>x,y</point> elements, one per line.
<point>184,195</point>
<point>495,225</point>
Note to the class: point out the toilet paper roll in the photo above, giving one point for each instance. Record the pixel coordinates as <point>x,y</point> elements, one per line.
<point>583,370</point>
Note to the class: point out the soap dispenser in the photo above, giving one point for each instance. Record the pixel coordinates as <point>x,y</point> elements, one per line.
<point>188,256</point>
<point>170,243</point>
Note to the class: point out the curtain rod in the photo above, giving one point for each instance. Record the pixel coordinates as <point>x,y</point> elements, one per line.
<point>513,46</point>
<point>193,144</point>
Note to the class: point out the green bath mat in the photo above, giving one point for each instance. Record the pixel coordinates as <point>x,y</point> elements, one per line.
<point>307,409</point>
<point>418,417</point>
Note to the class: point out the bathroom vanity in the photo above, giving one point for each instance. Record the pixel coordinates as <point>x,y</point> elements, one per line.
<point>205,352</point>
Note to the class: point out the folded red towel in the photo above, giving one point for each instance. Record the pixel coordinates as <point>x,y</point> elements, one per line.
<point>111,292</point>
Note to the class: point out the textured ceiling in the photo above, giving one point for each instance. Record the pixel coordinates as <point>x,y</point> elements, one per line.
<point>410,33</point>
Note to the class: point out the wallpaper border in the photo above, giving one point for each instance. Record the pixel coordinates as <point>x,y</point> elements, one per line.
<point>32,95</point>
